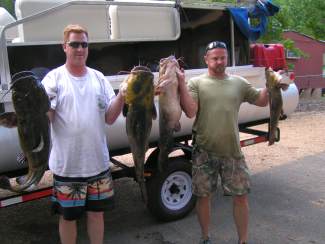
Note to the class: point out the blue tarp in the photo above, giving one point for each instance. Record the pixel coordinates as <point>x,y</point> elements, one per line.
<point>262,10</point>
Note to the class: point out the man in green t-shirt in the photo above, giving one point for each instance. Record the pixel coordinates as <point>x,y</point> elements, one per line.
<point>214,98</point>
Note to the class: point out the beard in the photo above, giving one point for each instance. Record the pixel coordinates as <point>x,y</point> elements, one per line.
<point>220,69</point>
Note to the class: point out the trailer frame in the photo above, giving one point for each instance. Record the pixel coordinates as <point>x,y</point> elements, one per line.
<point>151,173</point>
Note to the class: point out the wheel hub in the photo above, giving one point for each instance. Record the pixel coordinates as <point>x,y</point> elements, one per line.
<point>176,191</point>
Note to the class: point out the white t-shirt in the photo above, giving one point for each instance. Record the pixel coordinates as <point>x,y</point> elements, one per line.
<point>79,147</point>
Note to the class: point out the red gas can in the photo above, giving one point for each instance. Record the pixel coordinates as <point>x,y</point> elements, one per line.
<point>268,55</point>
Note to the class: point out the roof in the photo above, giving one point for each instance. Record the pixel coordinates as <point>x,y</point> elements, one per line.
<point>301,34</point>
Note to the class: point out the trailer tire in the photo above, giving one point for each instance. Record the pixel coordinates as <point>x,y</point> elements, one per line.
<point>170,192</point>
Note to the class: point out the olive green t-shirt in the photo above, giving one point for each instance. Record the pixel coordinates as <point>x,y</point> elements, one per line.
<point>216,122</point>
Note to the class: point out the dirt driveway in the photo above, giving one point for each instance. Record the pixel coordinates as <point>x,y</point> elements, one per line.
<point>287,201</point>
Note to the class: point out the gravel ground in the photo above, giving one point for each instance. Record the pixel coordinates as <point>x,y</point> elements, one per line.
<point>311,105</point>
<point>302,134</point>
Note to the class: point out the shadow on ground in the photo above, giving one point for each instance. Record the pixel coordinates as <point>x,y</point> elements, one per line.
<point>287,205</point>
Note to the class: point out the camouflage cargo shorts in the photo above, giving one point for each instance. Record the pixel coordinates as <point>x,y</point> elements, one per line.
<point>234,173</point>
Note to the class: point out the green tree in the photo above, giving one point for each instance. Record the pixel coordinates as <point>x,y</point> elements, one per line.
<point>304,16</point>
<point>9,5</point>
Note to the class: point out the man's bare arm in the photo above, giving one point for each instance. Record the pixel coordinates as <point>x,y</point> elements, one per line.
<point>114,109</point>
<point>188,104</point>
<point>263,98</point>
<point>51,114</point>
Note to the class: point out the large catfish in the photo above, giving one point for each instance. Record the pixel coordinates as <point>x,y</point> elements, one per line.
<point>169,107</point>
<point>274,84</point>
<point>31,104</point>
<point>139,111</point>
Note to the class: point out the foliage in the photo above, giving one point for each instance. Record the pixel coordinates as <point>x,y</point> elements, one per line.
<point>9,5</point>
<point>207,1</point>
<point>226,1</point>
<point>290,45</point>
<point>304,16</point>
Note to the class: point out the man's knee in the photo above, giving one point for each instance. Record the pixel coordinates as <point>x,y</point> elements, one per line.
<point>95,215</point>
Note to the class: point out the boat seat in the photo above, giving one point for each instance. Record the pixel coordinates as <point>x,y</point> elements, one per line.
<point>49,27</point>
<point>144,23</point>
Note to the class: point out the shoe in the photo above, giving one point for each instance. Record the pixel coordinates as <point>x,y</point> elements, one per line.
<point>205,241</point>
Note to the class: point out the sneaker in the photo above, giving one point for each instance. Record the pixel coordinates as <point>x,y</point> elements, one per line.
<point>205,241</point>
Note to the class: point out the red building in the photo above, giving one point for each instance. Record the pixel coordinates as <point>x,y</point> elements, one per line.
<point>309,71</point>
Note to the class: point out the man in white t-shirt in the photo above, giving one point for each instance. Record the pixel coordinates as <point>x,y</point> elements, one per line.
<point>82,101</point>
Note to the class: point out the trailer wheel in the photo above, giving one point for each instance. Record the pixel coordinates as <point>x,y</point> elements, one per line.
<point>170,192</point>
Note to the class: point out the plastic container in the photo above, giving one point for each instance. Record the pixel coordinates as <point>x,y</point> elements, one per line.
<point>268,55</point>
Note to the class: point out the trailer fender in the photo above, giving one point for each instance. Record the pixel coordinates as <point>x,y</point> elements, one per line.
<point>152,160</point>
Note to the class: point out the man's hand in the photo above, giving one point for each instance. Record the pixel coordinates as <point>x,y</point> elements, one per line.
<point>180,75</point>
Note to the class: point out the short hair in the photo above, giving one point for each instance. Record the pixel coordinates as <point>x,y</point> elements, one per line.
<point>215,44</point>
<point>73,28</point>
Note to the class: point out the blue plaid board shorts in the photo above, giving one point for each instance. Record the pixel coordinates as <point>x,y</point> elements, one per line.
<point>234,173</point>
<point>72,196</point>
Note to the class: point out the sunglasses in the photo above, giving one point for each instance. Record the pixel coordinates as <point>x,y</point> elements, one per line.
<point>78,44</point>
<point>215,44</point>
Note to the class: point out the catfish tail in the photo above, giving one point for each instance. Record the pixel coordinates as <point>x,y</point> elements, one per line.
<point>31,178</point>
